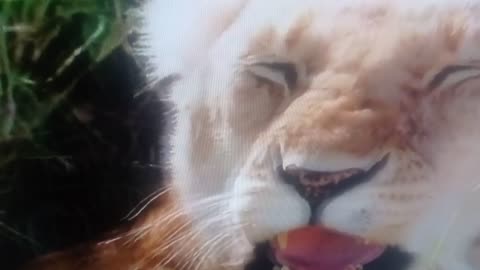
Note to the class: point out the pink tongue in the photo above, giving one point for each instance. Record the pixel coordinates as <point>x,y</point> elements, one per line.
<point>317,248</point>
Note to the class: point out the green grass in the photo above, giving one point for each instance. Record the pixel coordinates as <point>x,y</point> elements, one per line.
<point>27,27</point>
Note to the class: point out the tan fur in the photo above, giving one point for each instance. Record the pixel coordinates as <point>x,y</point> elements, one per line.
<point>201,134</point>
<point>345,124</point>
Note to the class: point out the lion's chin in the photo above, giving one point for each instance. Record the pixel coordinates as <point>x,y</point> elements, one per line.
<point>318,248</point>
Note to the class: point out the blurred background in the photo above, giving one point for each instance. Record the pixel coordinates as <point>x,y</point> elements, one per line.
<point>79,130</point>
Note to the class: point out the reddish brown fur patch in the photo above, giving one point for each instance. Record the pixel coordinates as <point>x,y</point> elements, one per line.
<point>124,253</point>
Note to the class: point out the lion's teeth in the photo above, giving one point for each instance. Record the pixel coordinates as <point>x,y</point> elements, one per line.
<point>325,179</point>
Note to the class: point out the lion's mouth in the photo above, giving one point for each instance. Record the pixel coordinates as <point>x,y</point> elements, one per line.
<point>318,187</point>
<point>315,247</point>
<point>318,248</point>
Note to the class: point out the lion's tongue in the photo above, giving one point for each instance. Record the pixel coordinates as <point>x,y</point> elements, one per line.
<point>317,248</point>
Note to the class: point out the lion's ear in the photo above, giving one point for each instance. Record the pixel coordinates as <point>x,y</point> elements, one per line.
<point>177,34</point>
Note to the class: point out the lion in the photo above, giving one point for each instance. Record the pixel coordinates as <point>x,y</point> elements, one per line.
<point>351,119</point>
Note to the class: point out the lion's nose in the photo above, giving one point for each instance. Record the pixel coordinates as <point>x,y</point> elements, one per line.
<point>318,186</point>
<point>315,186</point>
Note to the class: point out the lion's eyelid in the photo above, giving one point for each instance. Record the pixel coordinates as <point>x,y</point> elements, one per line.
<point>288,70</point>
<point>282,73</point>
<point>451,75</point>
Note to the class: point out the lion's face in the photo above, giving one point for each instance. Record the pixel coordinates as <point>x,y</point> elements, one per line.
<point>311,114</point>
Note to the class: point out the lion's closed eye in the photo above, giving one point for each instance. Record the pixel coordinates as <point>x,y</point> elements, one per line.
<point>453,76</point>
<point>282,75</point>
